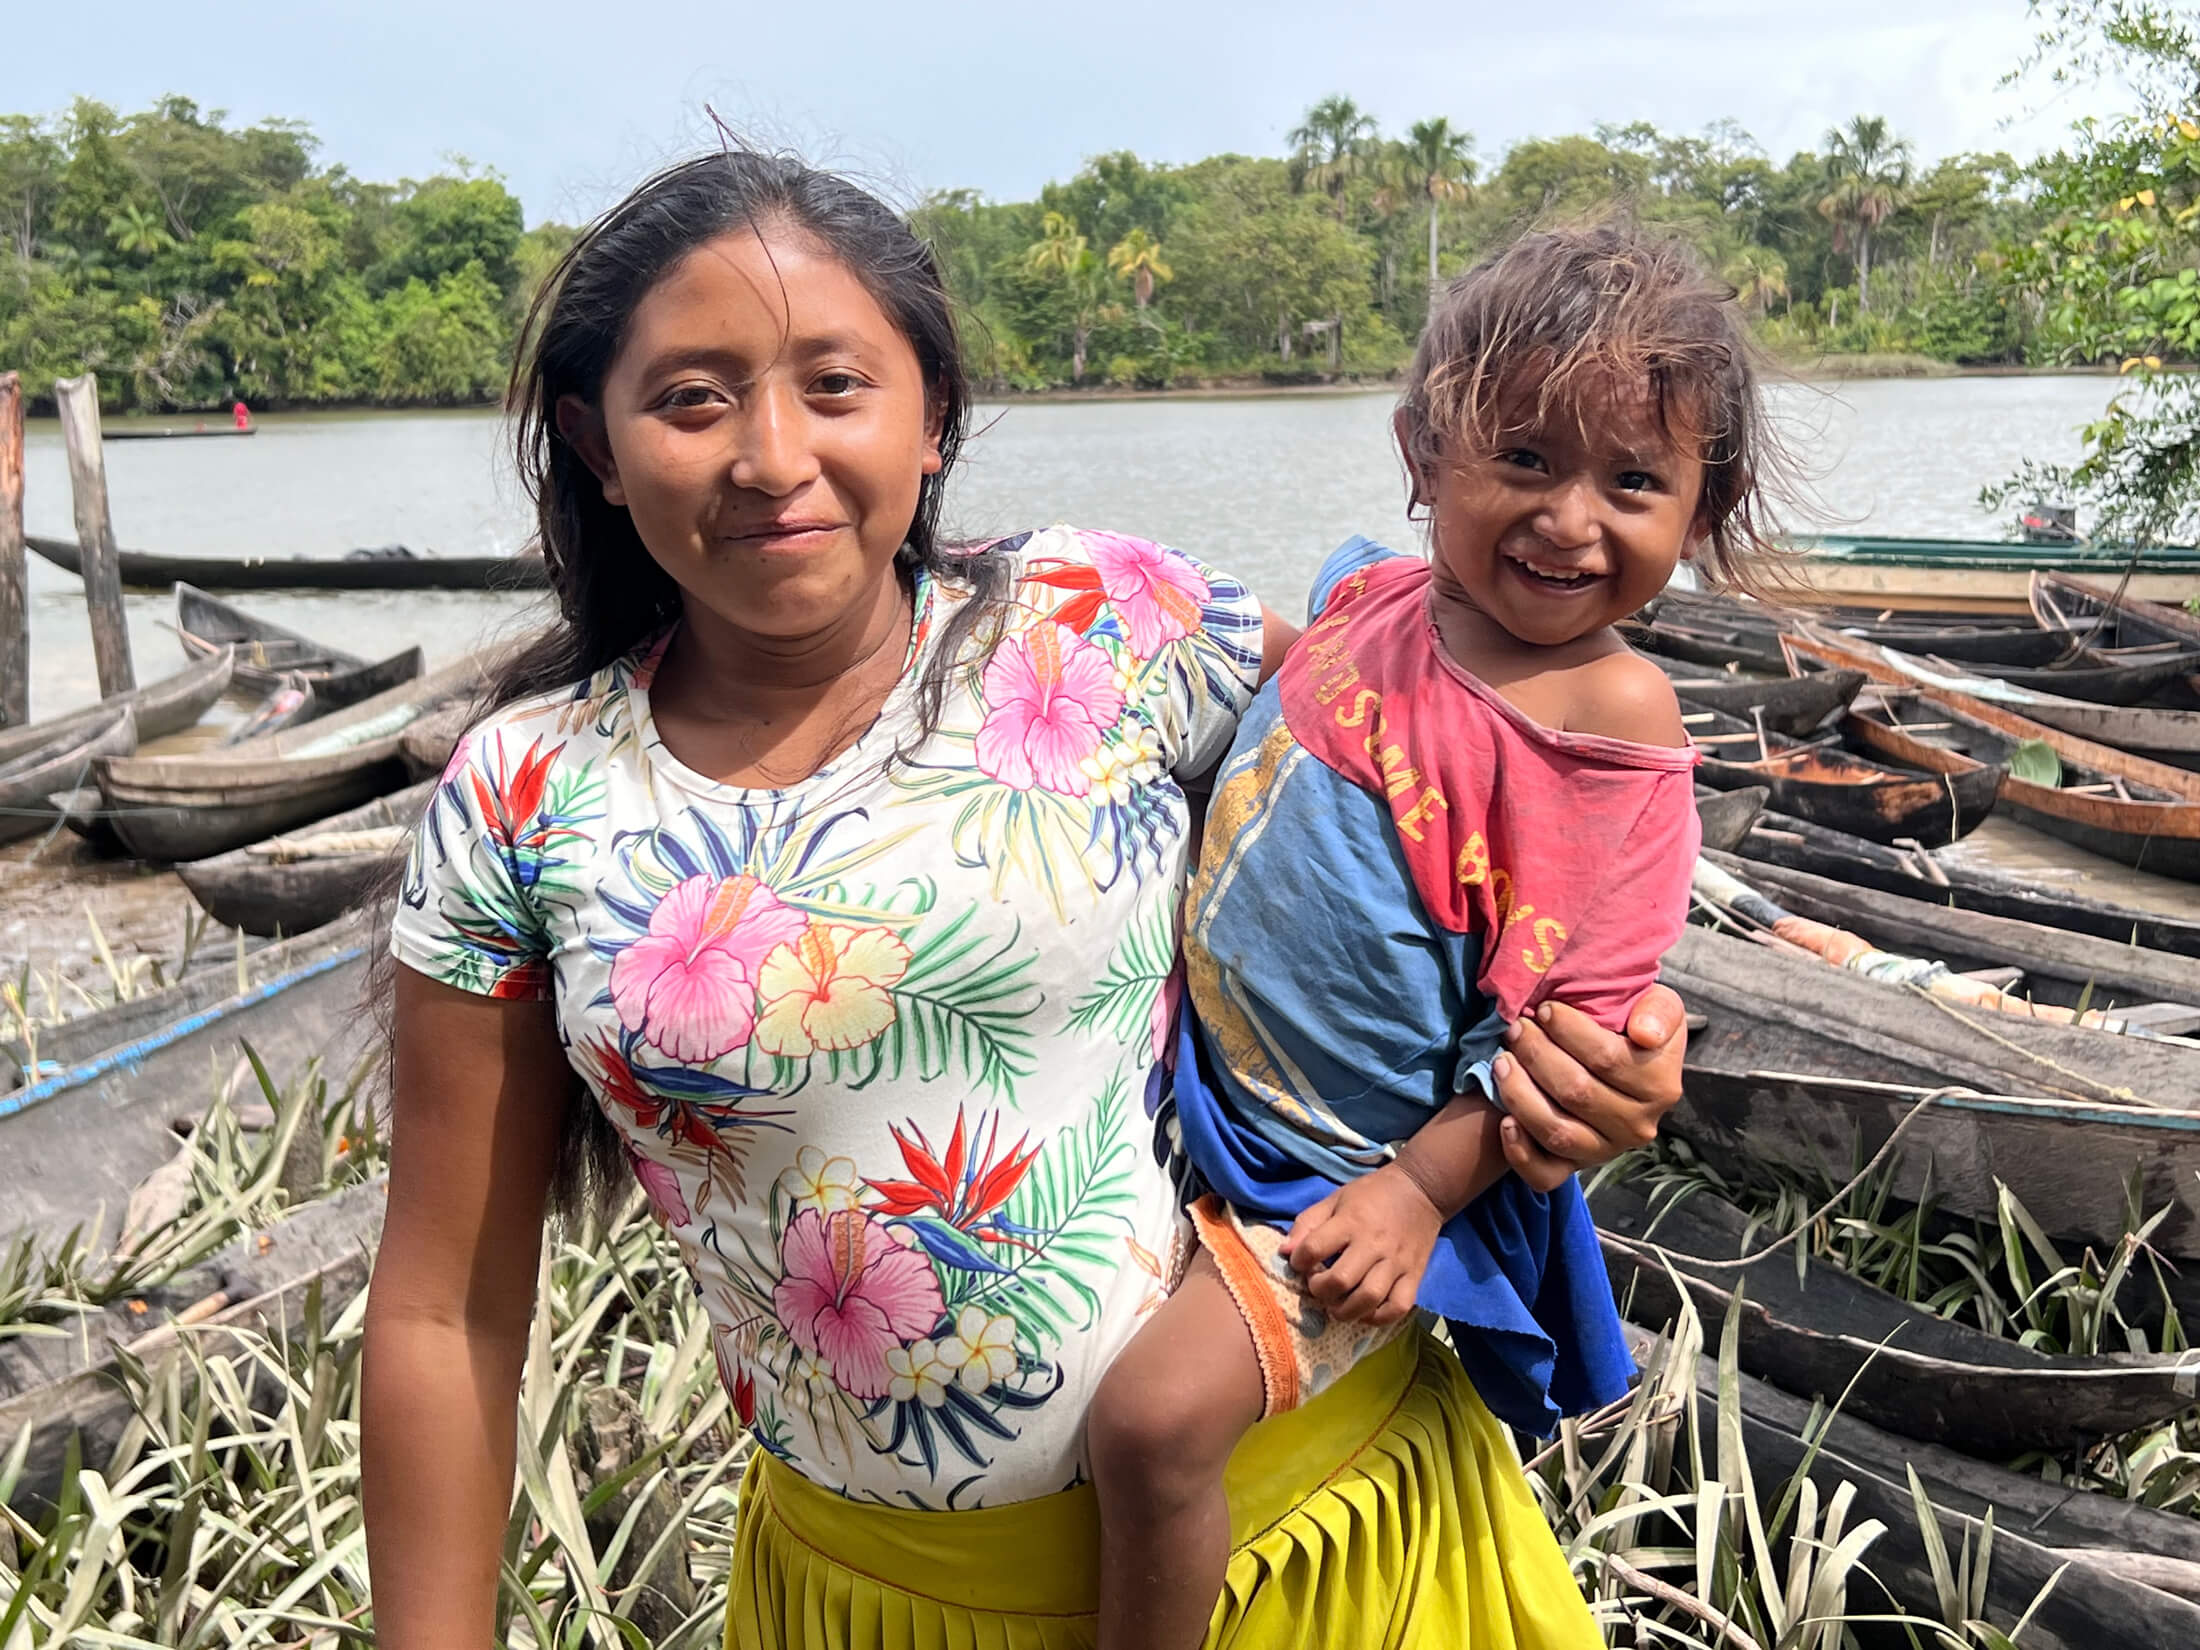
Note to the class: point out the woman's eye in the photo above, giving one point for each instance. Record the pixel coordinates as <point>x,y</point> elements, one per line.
<point>689,396</point>
<point>838,383</point>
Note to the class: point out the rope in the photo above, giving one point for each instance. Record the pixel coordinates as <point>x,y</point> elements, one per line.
<point>1697,1263</point>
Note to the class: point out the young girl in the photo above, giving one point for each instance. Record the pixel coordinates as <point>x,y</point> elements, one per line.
<point>1461,795</point>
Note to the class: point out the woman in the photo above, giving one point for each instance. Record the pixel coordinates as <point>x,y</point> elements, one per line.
<point>841,871</point>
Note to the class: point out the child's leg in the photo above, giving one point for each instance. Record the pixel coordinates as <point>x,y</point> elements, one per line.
<point>1160,1432</point>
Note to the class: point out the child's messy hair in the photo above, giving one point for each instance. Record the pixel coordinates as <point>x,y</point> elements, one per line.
<point>1561,316</point>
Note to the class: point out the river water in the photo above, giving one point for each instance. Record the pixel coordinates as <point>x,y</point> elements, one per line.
<point>1261,486</point>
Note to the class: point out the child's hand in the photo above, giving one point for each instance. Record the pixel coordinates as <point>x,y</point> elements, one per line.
<point>1362,1249</point>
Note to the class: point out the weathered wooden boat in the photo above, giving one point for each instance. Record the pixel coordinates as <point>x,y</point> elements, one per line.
<point>2109,802</point>
<point>159,708</point>
<point>1974,575</point>
<point>2141,730</point>
<point>1814,1068</point>
<point>1721,638</point>
<point>2097,677</point>
<point>1726,816</point>
<point>269,656</point>
<point>74,1391</point>
<point>368,570</point>
<point>2052,966</point>
<point>1825,1334</point>
<point>1781,840</point>
<point>295,883</point>
<point>172,432</point>
<point>2109,616</point>
<point>176,808</point>
<point>2081,1571</point>
<point>61,763</point>
<point>94,1117</point>
<point>1838,788</point>
<point>1793,705</point>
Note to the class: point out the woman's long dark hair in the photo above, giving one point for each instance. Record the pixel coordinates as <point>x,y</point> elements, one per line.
<point>612,597</point>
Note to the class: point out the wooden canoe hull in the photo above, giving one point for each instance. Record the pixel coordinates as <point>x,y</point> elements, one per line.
<point>160,708</point>
<point>1806,1065</point>
<point>1726,816</point>
<point>270,657</point>
<point>142,570</point>
<point>31,778</point>
<point>1832,1336</point>
<point>2071,1552</point>
<point>1931,810</point>
<point>76,1142</point>
<point>1784,841</point>
<point>247,890</point>
<point>177,827</point>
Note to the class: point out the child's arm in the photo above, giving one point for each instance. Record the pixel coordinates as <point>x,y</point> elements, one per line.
<point>1363,1248</point>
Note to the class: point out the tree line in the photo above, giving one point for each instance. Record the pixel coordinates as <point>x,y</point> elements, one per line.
<point>189,260</point>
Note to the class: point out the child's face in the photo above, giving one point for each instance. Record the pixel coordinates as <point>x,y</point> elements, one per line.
<point>1556,531</point>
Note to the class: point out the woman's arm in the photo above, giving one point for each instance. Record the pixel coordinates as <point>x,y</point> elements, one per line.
<point>480,1087</point>
<point>1577,1095</point>
<point>1277,633</point>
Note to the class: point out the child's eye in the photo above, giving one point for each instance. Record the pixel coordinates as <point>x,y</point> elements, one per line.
<point>1521,458</point>
<point>1638,481</point>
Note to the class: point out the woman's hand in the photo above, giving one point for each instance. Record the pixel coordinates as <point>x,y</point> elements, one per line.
<point>1577,1096</point>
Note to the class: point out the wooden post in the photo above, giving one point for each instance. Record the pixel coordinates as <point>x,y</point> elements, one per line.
<point>95,532</point>
<point>15,606</point>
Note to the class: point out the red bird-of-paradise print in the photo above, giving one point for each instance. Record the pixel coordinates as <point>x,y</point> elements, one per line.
<point>962,1190</point>
<point>1080,578</point>
<point>510,802</point>
<point>693,1124</point>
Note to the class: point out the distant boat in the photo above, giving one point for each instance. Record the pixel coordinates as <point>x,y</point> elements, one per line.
<point>1980,575</point>
<point>392,567</point>
<point>169,432</point>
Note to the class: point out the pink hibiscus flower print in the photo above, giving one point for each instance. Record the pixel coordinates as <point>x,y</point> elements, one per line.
<point>689,984</point>
<point>1157,594</point>
<point>1051,698</point>
<point>850,1293</point>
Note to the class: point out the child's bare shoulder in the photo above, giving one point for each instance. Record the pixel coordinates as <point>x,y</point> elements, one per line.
<point>1622,695</point>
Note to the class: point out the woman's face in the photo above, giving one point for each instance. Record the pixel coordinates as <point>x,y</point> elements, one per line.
<point>767,426</point>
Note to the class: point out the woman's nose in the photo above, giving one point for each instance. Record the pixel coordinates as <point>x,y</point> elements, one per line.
<point>773,454</point>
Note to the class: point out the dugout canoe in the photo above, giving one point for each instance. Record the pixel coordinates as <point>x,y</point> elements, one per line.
<point>2101,608</point>
<point>2085,1571</point>
<point>2110,802</point>
<point>1780,840</point>
<point>297,882</point>
<point>159,708</point>
<point>1977,575</point>
<point>76,1389</point>
<point>1825,1334</point>
<point>1727,816</point>
<point>1793,705</point>
<point>58,765</point>
<point>1813,1067</point>
<point>169,432</point>
<point>2091,675</point>
<point>270,657</point>
<point>1838,788</point>
<point>359,570</point>
<point>180,808</point>
<point>2058,967</point>
<point>97,1115</point>
<point>2141,730</point>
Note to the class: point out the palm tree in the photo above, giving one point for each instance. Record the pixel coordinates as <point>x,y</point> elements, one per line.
<point>1868,173</point>
<point>1136,258</point>
<point>1758,275</point>
<point>136,232</point>
<point>1443,166</point>
<point>1331,144</point>
<point>1062,252</point>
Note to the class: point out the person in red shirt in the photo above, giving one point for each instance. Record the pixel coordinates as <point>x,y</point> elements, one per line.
<point>242,414</point>
<point>1461,796</point>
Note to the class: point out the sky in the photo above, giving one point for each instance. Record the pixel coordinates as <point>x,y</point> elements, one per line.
<point>572,102</point>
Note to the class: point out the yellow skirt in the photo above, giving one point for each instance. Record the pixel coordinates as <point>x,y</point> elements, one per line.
<point>1386,1512</point>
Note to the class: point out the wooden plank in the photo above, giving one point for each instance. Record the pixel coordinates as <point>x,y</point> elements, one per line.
<point>15,611</point>
<point>78,399</point>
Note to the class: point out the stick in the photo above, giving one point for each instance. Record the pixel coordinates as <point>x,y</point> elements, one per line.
<point>95,532</point>
<point>1666,1593</point>
<point>15,608</point>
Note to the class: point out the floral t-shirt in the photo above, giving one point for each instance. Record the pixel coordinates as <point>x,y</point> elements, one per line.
<point>880,1044</point>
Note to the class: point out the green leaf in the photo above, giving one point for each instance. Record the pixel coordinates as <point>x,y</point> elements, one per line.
<point>2034,761</point>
